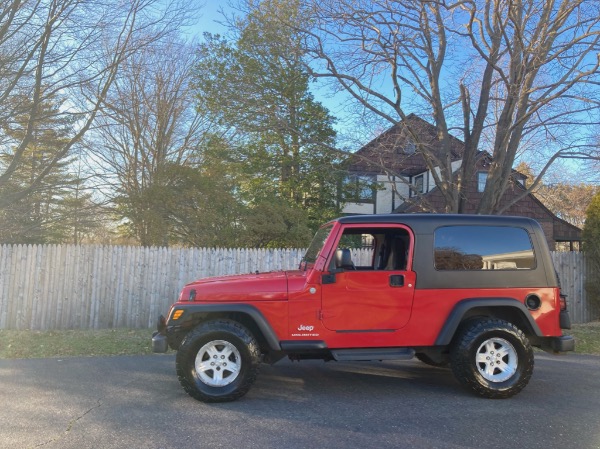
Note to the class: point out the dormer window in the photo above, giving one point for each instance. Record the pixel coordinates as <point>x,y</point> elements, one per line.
<point>481,181</point>
<point>418,185</point>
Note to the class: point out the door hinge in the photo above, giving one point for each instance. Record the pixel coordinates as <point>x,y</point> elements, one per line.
<point>328,279</point>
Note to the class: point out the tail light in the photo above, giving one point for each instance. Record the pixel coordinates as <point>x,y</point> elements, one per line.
<point>563,302</point>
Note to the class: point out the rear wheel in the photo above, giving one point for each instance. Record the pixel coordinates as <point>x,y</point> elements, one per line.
<point>493,358</point>
<point>218,361</point>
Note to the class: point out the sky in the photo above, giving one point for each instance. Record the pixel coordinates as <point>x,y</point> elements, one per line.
<point>352,136</point>
<point>208,17</point>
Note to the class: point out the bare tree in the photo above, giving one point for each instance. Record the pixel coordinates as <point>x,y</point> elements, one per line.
<point>147,125</point>
<point>496,73</point>
<point>71,50</point>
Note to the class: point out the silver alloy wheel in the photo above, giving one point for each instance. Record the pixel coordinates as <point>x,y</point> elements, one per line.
<point>218,363</point>
<point>496,360</point>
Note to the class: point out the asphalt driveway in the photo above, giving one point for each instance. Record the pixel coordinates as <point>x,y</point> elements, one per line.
<point>136,402</point>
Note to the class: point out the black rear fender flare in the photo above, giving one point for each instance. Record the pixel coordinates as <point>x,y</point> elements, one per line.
<point>505,308</point>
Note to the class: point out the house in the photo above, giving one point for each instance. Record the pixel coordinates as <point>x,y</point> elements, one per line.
<point>388,175</point>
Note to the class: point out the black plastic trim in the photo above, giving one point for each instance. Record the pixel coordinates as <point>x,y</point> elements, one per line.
<point>263,325</point>
<point>364,331</point>
<point>159,343</point>
<point>533,302</point>
<point>460,309</point>
<point>565,319</point>
<point>161,324</point>
<point>564,343</point>
<point>302,345</point>
<point>328,279</point>
<point>365,354</point>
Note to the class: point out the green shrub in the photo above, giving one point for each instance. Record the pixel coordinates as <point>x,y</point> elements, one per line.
<point>591,247</point>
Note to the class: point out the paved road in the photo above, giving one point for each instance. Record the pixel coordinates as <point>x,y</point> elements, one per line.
<point>136,402</point>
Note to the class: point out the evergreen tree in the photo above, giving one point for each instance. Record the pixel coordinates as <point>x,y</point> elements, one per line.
<point>47,213</point>
<point>258,86</point>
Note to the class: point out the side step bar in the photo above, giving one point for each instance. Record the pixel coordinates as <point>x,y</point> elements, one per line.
<point>347,355</point>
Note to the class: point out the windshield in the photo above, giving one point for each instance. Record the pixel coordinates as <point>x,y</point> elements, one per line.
<point>317,243</point>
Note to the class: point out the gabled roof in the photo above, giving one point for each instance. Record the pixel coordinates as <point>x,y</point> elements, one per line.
<point>393,153</point>
<point>393,150</point>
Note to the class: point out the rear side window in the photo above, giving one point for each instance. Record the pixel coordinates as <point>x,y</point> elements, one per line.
<point>477,248</point>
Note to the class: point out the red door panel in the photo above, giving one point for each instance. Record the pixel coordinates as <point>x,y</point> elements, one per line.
<point>368,300</point>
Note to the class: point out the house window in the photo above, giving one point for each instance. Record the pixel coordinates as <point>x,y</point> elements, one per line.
<point>418,185</point>
<point>481,180</point>
<point>360,188</point>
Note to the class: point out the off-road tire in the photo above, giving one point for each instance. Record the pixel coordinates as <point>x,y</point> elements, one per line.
<point>492,357</point>
<point>233,370</point>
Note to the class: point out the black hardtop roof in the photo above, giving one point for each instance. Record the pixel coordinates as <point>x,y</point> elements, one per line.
<point>424,225</point>
<point>429,222</point>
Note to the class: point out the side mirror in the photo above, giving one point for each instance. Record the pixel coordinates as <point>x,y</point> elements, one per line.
<point>343,258</point>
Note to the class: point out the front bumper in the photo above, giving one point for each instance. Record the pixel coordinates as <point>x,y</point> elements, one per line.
<point>159,337</point>
<point>159,343</point>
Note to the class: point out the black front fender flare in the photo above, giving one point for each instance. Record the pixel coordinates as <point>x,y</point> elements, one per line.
<point>460,310</point>
<point>255,314</point>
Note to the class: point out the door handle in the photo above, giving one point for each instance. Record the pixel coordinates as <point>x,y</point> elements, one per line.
<point>397,280</point>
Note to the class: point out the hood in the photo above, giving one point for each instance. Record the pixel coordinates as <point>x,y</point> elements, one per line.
<point>246,287</point>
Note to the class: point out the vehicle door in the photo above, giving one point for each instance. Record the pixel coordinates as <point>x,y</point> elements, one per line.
<point>370,285</point>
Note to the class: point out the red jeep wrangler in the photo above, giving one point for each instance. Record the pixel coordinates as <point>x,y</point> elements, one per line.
<point>475,292</point>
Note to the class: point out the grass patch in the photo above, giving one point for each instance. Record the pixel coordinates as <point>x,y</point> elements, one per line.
<point>69,343</point>
<point>587,337</point>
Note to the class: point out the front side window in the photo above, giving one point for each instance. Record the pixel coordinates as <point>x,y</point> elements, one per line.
<point>375,248</point>
<point>475,248</point>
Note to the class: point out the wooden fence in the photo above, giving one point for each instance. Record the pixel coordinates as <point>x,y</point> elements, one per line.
<point>70,287</point>
<point>573,271</point>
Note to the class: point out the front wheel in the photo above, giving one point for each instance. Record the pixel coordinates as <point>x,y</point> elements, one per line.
<point>493,358</point>
<point>218,361</point>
